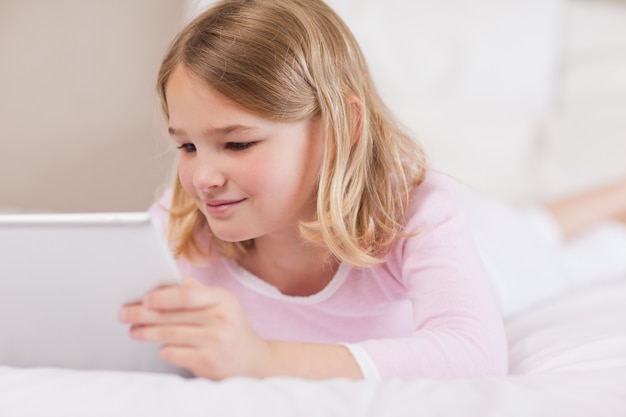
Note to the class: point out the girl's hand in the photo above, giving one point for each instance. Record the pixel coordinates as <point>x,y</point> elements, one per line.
<point>203,329</point>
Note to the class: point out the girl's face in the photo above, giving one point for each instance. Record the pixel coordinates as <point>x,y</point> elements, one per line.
<point>251,177</point>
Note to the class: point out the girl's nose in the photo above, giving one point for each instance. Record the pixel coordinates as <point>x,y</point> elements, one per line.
<point>208,173</point>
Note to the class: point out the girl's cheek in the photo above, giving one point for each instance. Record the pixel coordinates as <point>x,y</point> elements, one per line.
<point>255,172</point>
<point>185,175</point>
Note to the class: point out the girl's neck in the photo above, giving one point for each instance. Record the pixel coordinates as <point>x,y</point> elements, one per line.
<point>295,268</point>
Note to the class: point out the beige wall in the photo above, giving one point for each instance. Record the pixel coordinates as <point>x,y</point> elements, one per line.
<point>80,128</point>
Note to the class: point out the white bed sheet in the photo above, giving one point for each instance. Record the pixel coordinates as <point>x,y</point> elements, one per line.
<point>568,358</point>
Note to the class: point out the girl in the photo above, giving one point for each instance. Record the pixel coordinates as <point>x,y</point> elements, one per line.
<point>324,244</point>
<point>317,239</point>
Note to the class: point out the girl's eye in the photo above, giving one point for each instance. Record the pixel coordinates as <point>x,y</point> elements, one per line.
<point>187,147</point>
<point>239,146</point>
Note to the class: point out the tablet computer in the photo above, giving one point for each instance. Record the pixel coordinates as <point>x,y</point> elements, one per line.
<point>63,279</point>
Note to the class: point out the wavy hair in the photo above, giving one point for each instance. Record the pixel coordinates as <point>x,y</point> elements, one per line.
<point>289,60</point>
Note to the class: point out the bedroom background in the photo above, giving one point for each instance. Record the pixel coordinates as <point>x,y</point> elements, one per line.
<point>524,100</point>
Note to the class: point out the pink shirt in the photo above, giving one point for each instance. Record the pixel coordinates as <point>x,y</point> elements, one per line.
<point>427,312</point>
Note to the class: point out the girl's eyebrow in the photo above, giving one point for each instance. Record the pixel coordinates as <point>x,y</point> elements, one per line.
<point>215,131</point>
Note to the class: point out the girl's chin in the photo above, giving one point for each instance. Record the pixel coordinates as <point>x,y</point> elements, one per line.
<point>232,236</point>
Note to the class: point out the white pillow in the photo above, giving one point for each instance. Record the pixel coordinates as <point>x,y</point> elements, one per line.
<point>460,50</point>
<point>582,149</point>
<point>489,148</point>
<point>595,56</point>
<point>583,143</point>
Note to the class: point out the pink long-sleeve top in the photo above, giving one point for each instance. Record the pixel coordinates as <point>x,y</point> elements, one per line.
<point>427,312</point>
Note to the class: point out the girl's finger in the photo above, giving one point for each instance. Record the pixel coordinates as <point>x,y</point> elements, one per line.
<point>138,314</point>
<point>200,362</point>
<point>183,297</point>
<point>170,334</point>
<point>180,355</point>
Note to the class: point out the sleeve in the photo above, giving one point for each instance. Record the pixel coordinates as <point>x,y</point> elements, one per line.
<point>458,328</point>
<point>364,362</point>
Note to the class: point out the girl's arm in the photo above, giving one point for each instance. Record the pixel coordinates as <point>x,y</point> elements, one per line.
<point>458,328</point>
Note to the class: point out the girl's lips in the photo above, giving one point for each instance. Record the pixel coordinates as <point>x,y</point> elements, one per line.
<point>216,203</point>
<point>221,207</point>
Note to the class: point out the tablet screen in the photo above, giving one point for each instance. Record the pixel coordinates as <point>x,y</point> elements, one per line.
<point>63,279</point>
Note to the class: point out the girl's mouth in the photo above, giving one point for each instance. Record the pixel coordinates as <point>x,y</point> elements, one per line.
<point>222,207</point>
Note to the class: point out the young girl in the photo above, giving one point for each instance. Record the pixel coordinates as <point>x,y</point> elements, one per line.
<point>324,244</point>
<point>317,239</point>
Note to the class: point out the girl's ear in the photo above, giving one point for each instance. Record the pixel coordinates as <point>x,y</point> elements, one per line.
<point>356,118</point>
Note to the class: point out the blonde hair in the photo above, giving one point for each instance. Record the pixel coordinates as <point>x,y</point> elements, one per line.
<point>290,60</point>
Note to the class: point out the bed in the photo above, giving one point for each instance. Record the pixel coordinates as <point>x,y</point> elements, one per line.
<point>567,351</point>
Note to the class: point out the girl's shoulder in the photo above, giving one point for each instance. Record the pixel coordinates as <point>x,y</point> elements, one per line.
<point>434,200</point>
<point>435,227</point>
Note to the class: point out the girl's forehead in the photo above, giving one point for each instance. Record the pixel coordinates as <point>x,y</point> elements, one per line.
<point>193,105</point>
<point>182,74</point>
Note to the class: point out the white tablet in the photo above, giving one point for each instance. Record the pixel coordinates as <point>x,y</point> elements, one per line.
<point>63,279</point>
